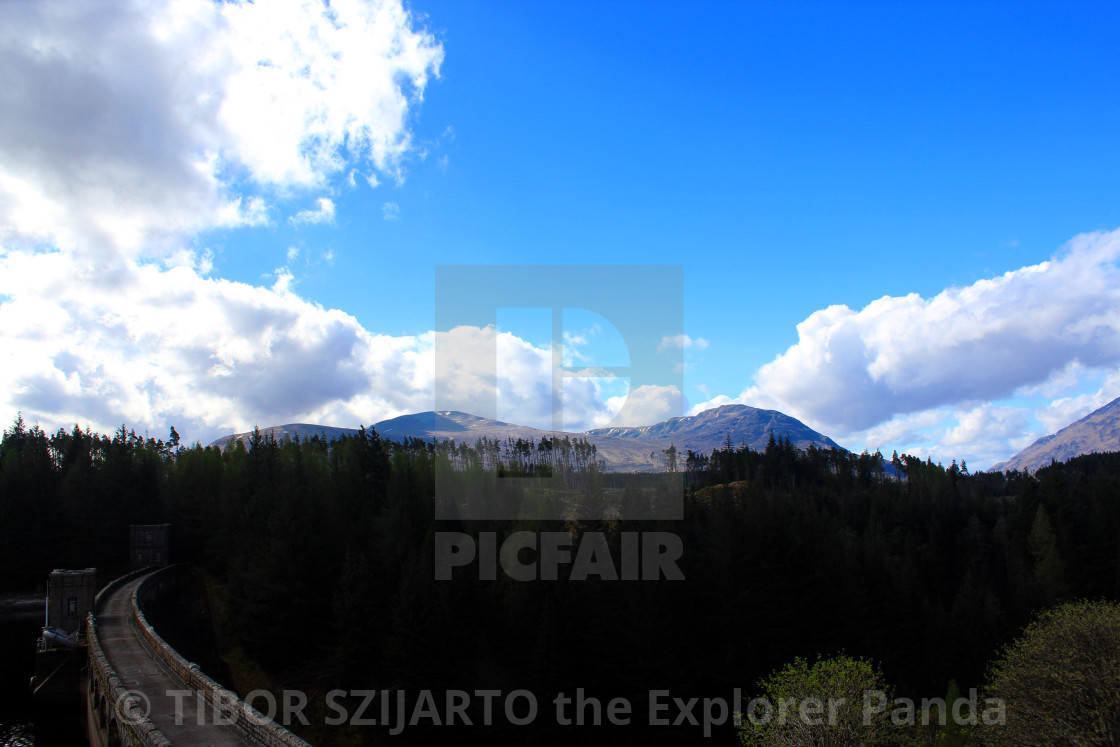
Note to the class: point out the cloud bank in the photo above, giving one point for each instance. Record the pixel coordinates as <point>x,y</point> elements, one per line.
<point>164,347</point>
<point>902,363</point>
<point>131,125</point>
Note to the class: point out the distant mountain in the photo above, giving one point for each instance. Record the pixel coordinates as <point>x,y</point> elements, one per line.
<point>710,430</point>
<point>623,449</point>
<point>303,431</point>
<point>1096,432</point>
<point>619,454</point>
<point>444,425</point>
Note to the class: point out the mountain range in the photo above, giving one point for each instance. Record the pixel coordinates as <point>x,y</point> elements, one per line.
<point>637,449</point>
<point>1096,432</point>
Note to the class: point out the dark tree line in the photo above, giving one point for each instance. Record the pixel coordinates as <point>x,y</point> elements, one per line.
<point>326,550</point>
<point>66,499</point>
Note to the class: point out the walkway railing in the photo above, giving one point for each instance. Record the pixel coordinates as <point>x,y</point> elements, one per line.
<point>128,717</point>
<point>125,711</point>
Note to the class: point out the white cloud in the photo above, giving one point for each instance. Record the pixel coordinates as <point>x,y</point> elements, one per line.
<point>939,373</point>
<point>196,116</point>
<point>904,433</point>
<point>986,424</point>
<point>324,213</point>
<point>571,352</point>
<point>519,386</point>
<point>682,342</point>
<point>1059,382</point>
<point>255,213</point>
<point>130,125</point>
<point>167,346</point>
<point>979,434</point>
<point>390,211</point>
<point>1061,412</point>
<point>1064,410</point>
<point>649,403</point>
<point>127,129</point>
<point>851,370</point>
<point>315,84</point>
<point>284,280</point>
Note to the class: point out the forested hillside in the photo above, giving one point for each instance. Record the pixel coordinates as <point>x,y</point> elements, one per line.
<point>327,553</point>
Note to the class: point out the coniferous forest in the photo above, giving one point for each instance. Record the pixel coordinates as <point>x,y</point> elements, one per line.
<point>322,555</point>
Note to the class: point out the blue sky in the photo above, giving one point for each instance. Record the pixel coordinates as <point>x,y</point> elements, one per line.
<point>792,157</point>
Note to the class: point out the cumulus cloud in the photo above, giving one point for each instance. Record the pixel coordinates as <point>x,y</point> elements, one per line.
<point>130,125</point>
<point>911,433</point>
<point>850,369</point>
<point>316,85</point>
<point>324,213</point>
<point>390,211</point>
<point>979,434</point>
<point>649,403</point>
<point>894,369</point>
<point>986,424</point>
<point>171,346</point>
<point>500,375</point>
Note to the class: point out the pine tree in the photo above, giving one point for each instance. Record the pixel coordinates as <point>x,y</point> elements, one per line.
<point>1049,570</point>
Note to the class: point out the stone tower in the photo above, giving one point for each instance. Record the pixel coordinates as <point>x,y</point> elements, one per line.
<point>149,545</point>
<point>70,598</point>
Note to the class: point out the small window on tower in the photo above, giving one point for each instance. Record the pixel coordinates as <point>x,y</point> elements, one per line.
<point>71,606</point>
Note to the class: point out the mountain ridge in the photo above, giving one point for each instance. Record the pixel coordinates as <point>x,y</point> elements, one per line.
<point>1096,432</point>
<point>632,448</point>
<point>709,428</point>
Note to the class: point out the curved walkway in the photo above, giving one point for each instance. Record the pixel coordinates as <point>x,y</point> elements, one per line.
<point>183,719</point>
